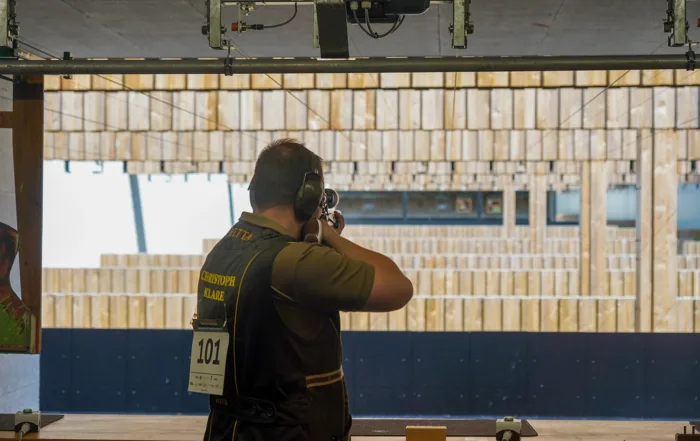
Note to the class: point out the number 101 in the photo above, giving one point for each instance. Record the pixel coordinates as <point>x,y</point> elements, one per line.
<point>206,351</point>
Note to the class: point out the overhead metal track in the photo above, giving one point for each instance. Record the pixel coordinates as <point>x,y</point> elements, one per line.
<point>357,65</point>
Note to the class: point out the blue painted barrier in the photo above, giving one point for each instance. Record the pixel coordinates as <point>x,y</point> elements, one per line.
<point>554,375</point>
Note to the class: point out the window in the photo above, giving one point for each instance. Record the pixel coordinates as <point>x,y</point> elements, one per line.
<point>371,205</point>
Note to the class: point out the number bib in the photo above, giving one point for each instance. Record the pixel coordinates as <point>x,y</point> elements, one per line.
<point>208,362</point>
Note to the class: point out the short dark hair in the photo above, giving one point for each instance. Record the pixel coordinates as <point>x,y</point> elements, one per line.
<point>279,173</point>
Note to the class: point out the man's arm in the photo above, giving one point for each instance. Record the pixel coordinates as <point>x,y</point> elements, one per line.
<point>391,289</point>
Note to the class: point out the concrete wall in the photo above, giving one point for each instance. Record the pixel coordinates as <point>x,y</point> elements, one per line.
<point>19,373</point>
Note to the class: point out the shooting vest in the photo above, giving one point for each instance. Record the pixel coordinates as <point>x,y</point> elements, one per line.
<point>277,386</point>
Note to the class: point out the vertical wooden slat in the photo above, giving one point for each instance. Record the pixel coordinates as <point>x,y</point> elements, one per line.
<point>94,105</point>
<point>547,108</point>
<point>319,113</point>
<point>493,308</point>
<point>525,108</point>
<point>571,108</point>
<point>594,116</point>
<point>501,108</point>
<point>435,308</point>
<point>273,109</point>
<point>101,301</point>
<point>664,103</point>
<point>665,194</point>
<point>587,312</point>
<point>409,109</point>
<point>118,302</point>
<point>455,109</point>
<point>174,317</point>
<point>155,304</point>
<point>138,111</point>
<point>598,181</point>
<point>432,107</point>
<point>341,110</point>
<point>138,281</point>
<point>161,106</point>
<point>206,106</point>
<point>473,310</point>
<point>618,108</point>
<point>81,301</point>
<point>645,233</point>
<point>364,108</point>
<point>51,288</point>
<point>549,307</point>
<point>251,110</point>
<point>641,108</point>
<point>478,109</point>
<point>454,308</point>
<point>388,110</point>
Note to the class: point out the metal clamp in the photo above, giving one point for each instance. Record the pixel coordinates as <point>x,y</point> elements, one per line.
<point>690,57</point>
<point>228,61</point>
<point>67,57</point>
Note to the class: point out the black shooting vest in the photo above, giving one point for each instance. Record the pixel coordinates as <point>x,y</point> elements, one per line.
<point>278,387</point>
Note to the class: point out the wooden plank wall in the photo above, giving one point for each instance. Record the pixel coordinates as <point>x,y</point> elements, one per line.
<point>466,278</point>
<point>531,131</point>
<point>455,131</point>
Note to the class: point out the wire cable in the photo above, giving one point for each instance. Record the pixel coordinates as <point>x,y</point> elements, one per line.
<point>283,23</point>
<point>397,23</point>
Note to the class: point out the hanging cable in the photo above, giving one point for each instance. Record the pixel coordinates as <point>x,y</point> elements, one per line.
<point>284,23</point>
<point>397,23</point>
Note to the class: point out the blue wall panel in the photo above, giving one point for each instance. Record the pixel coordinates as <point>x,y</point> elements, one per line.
<point>401,373</point>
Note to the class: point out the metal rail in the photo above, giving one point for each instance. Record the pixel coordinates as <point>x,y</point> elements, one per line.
<point>356,65</point>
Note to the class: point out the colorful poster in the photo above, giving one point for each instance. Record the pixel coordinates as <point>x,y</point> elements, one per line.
<point>464,205</point>
<point>14,315</point>
<point>494,204</point>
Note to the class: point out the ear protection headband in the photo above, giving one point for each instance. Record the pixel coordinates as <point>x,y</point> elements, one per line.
<point>308,196</point>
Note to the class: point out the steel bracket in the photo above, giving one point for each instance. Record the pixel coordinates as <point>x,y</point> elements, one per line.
<point>214,30</point>
<point>676,23</point>
<point>461,23</point>
<point>331,18</point>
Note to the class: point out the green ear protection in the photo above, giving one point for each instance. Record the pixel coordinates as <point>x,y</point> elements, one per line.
<point>308,196</point>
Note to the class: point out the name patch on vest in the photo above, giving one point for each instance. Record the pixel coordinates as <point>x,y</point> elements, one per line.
<point>218,279</point>
<point>240,233</point>
<point>214,294</point>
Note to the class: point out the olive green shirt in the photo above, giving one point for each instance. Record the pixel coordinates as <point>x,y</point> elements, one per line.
<point>312,280</point>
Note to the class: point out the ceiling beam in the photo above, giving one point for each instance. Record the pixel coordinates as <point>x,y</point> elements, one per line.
<point>354,65</point>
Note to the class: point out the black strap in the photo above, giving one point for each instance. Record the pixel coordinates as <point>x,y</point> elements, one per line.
<point>249,410</point>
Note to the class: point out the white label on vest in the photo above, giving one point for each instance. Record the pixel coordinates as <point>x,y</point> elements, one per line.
<point>208,362</point>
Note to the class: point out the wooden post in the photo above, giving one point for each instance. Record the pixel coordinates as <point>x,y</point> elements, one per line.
<point>28,153</point>
<point>645,232</point>
<point>587,309</point>
<point>509,208</point>
<point>657,227</point>
<point>665,232</point>
<point>598,182</point>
